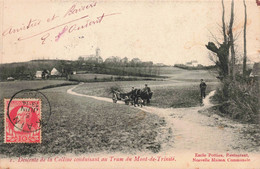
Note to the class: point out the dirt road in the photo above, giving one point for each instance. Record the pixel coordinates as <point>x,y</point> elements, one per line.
<point>196,129</point>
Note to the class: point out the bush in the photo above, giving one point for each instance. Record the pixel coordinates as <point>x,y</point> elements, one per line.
<point>239,100</point>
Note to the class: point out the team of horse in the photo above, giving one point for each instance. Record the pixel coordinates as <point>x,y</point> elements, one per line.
<point>136,97</point>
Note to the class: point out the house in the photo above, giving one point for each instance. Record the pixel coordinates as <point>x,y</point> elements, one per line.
<point>193,63</point>
<point>113,59</point>
<point>38,74</point>
<point>10,79</point>
<point>159,64</point>
<point>55,72</point>
<point>92,58</point>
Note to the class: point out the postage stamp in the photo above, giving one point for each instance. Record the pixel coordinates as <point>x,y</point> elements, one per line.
<point>22,120</point>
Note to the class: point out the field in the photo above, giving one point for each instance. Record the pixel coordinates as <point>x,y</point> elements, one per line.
<point>83,125</point>
<point>94,77</point>
<point>181,89</point>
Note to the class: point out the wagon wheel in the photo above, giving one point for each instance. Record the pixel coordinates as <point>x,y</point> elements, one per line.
<point>127,100</point>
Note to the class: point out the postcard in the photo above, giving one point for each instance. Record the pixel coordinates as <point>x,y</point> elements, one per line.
<point>129,84</point>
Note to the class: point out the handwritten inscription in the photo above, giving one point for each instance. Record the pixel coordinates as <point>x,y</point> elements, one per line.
<point>75,9</point>
<point>67,27</point>
<point>75,27</point>
<point>31,23</point>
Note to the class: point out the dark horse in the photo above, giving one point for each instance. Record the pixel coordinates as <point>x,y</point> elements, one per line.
<point>141,97</point>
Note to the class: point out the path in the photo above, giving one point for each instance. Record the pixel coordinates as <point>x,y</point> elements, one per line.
<point>196,131</point>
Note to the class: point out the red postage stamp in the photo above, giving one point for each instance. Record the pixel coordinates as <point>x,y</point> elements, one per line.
<point>23,120</point>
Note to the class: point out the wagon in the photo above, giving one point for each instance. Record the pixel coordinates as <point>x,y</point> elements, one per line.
<point>123,97</point>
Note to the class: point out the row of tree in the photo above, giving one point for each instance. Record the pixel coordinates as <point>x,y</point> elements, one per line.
<point>115,60</point>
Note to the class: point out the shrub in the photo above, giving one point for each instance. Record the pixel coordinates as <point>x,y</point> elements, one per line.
<point>239,99</point>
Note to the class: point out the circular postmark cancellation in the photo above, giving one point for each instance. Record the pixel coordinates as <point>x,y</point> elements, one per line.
<point>24,118</point>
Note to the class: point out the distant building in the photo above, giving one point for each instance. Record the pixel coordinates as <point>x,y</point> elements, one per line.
<point>159,64</point>
<point>38,74</point>
<point>98,51</point>
<point>10,79</point>
<point>93,58</point>
<point>55,72</point>
<point>193,63</point>
<point>41,74</point>
<point>113,59</point>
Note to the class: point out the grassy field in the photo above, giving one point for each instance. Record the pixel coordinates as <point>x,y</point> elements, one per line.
<point>180,89</point>
<point>170,72</point>
<point>83,125</point>
<point>178,97</point>
<point>182,74</point>
<point>182,94</point>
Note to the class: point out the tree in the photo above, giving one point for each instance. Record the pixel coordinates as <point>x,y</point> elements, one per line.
<point>223,22</point>
<point>245,55</point>
<point>231,39</point>
<point>222,54</point>
<point>222,51</point>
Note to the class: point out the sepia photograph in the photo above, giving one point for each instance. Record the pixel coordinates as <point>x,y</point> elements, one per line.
<point>122,84</point>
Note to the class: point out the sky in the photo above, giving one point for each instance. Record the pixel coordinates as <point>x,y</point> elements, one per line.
<point>166,32</point>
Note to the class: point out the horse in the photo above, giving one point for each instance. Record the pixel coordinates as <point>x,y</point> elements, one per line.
<point>141,97</point>
<point>146,96</point>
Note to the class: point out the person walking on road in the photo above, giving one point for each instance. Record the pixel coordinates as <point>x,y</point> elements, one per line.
<point>203,87</point>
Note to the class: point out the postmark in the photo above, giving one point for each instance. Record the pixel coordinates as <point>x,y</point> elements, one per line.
<point>23,116</point>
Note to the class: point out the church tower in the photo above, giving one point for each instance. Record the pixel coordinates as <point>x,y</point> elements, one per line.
<point>98,56</point>
<point>98,52</point>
